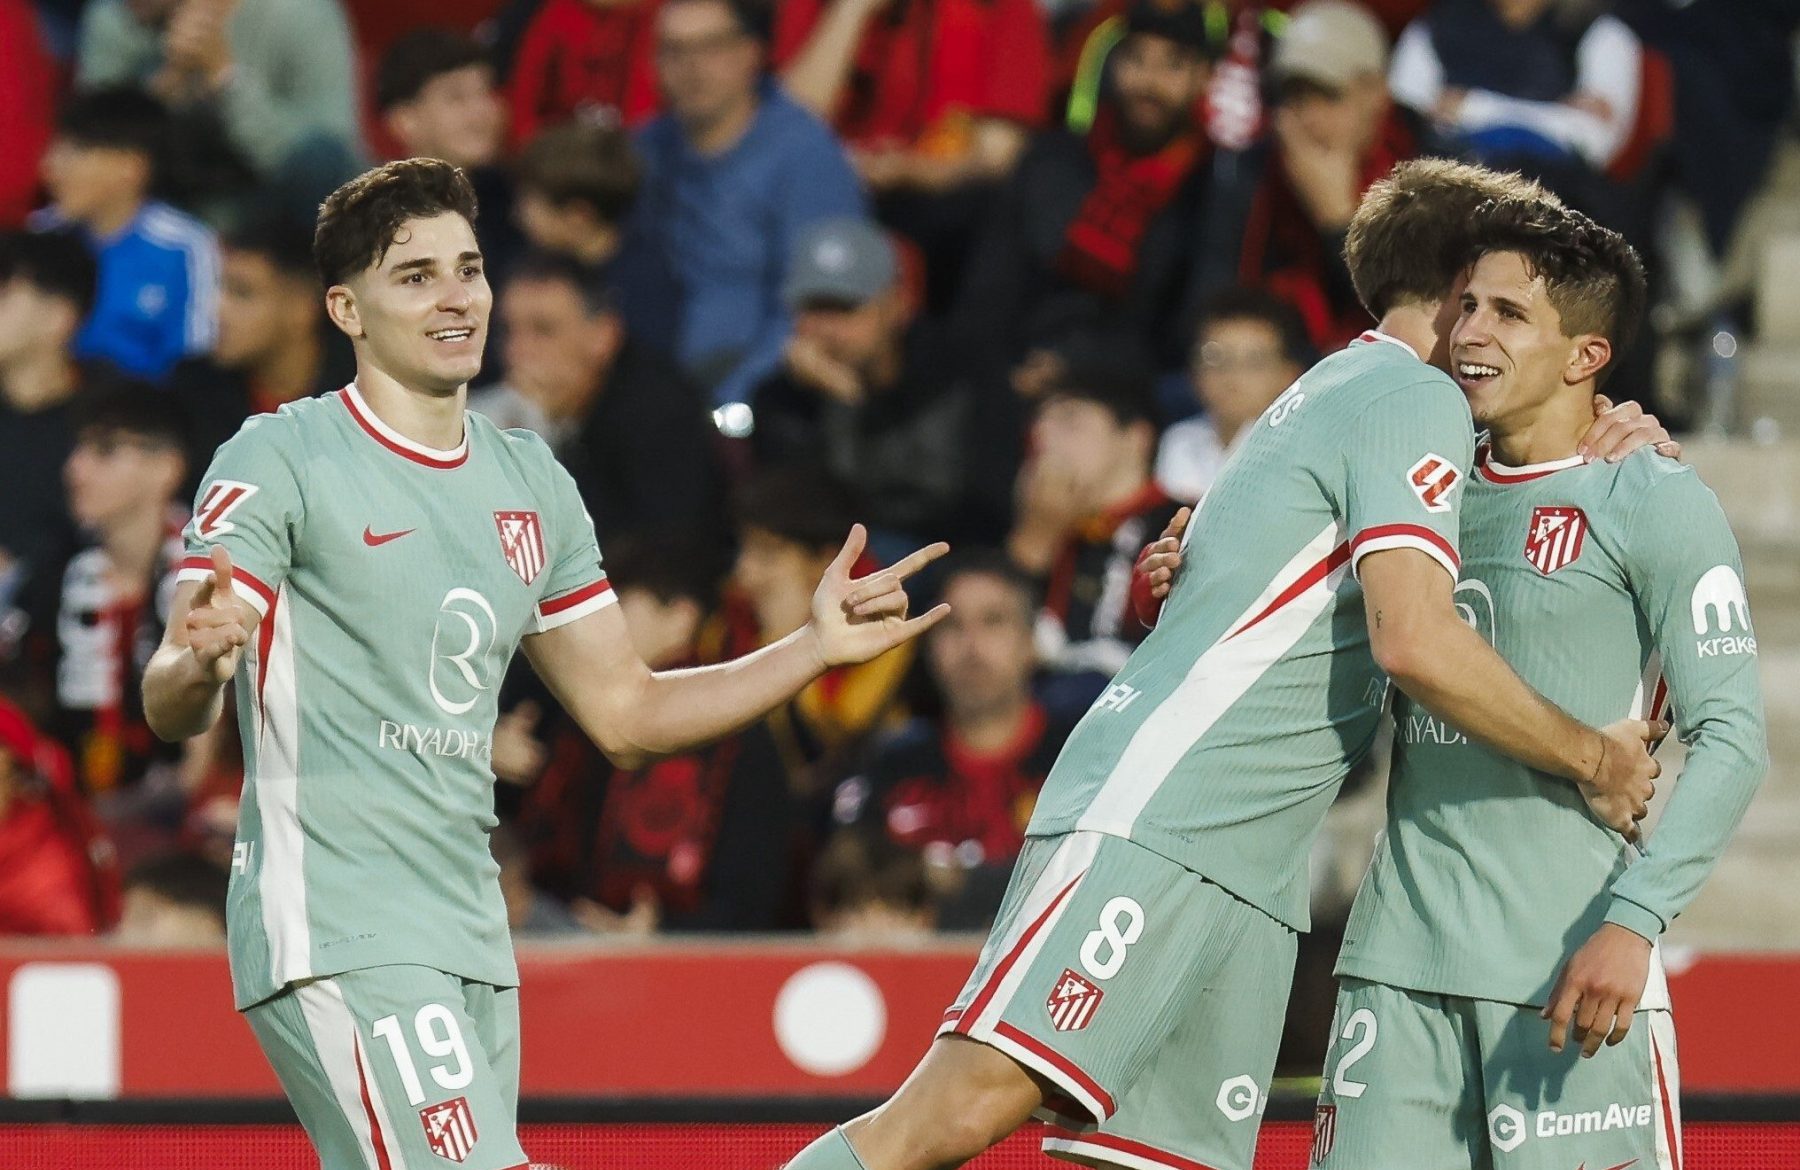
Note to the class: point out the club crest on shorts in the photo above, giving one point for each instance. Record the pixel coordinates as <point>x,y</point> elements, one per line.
<point>1073,1003</point>
<point>1555,538</point>
<point>1324,1131</point>
<point>449,1129</point>
<point>522,543</point>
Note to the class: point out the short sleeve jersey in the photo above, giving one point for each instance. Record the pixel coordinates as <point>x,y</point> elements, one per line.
<point>395,583</point>
<point>1225,737</point>
<point>1615,591</point>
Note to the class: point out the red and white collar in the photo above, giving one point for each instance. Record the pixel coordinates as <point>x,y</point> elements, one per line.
<point>1378,335</point>
<point>1502,474</point>
<point>398,443</point>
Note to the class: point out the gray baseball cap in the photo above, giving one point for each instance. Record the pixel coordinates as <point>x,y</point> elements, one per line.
<point>847,260</point>
<point>1330,43</point>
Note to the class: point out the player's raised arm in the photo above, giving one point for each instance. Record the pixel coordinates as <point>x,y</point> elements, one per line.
<point>635,715</point>
<point>209,626</point>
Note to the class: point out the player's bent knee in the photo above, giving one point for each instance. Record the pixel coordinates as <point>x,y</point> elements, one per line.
<point>963,1098</point>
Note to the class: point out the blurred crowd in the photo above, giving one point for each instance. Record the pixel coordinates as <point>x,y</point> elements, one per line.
<point>1010,273</point>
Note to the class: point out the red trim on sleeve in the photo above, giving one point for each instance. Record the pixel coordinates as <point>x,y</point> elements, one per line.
<point>572,599</point>
<point>239,575</point>
<point>1417,531</point>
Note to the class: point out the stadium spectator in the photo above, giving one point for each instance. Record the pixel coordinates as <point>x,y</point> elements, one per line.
<point>883,398</point>
<point>733,173</point>
<point>438,98</point>
<point>1101,232</point>
<point>958,789</point>
<point>1087,505</point>
<point>56,873</point>
<point>577,185</point>
<point>584,57</point>
<point>633,431</point>
<point>27,109</point>
<point>1333,132</point>
<point>626,847</point>
<point>274,343</point>
<point>123,479</point>
<point>174,899</point>
<point>1249,347</point>
<point>1545,87</point>
<point>159,268</point>
<point>868,892</point>
<point>47,282</point>
<point>530,913</point>
<point>931,95</point>
<point>279,76</point>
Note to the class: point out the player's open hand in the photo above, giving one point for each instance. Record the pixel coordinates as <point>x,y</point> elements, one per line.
<point>219,625</point>
<point>1619,430</point>
<point>1599,989</point>
<point>1619,792</point>
<point>855,619</point>
<point>1154,574</point>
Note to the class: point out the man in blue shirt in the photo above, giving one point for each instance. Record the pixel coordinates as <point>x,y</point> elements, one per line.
<point>734,172</point>
<point>159,268</point>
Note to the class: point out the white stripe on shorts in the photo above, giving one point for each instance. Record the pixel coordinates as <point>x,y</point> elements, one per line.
<point>335,1036</point>
<point>1665,1089</point>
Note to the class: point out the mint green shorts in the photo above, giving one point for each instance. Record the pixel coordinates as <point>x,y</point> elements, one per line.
<point>399,1068</point>
<point>1149,997</point>
<point>1439,1082</point>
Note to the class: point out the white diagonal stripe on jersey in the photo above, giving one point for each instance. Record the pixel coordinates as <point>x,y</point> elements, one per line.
<point>1074,858</point>
<point>280,878</point>
<point>1217,680</point>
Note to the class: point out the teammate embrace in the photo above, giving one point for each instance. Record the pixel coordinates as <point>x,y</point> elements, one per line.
<point>1129,990</point>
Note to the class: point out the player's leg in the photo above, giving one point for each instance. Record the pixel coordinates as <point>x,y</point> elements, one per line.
<point>429,1080</point>
<point>1401,1084</point>
<point>1200,1099</point>
<point>1549,1111</point>
<point>1068,1001</point>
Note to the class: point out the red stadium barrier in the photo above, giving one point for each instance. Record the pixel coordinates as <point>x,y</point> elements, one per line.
<point>797,1020</point>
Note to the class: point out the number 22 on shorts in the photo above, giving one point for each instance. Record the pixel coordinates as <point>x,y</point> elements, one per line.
<point>1121,924</point>
<point>1360,1025</point>
<point>438,1035</point>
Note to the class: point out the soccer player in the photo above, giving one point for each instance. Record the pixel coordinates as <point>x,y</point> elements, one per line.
<point>1612,588</point>
<point>1134,984</point>
<point>363,565</point>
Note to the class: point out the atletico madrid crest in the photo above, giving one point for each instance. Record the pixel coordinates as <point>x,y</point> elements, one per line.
<point>1073,1003</point>
<point>450,1129</point>
<point>1555,538</point>
<point>522,543</point>
<point>1324,1131</point>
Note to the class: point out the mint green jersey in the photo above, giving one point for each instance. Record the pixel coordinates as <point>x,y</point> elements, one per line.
<point>394,584</point>
<point>1225,737</point>
<point>1615,591</point>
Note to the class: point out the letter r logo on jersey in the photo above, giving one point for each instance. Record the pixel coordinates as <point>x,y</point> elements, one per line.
<point>1432,479</point>
<point>1719,601</point>
<point>221,498</point>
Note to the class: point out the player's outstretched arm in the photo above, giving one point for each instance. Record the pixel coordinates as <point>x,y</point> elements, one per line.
<point>1449,669</point>
<point>635,715</point>
<point>209,626</point>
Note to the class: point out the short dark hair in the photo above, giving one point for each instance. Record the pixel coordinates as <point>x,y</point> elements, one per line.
<point>421,56</point>
<point>755,17</point>
<point>54,262</point>
<point>587,160</point>
<point>358,221</point>
<point>668,570</point>
<point>281,240</point>
<point>126,407</point>
<point>1410,235</point>
<point>1182,22</point>
<point>561,268</point>
<point>1248,303</point>
<point>118,117</point>
<point>989,562</point>
<point>1593,276</point>
<point>185,879</point>
<point>1123,387</point>
<point>797,502</point>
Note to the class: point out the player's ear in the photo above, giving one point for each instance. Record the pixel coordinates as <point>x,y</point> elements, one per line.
<point>340,306</point>
<point>1589,356</point>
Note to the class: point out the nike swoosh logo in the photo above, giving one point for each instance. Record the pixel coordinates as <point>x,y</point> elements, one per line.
<point>373,540</point>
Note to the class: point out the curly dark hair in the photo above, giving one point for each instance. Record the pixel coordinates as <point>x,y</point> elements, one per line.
<point>1592,275</point>
<point>1410,235</point>
<point>358,221</point>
